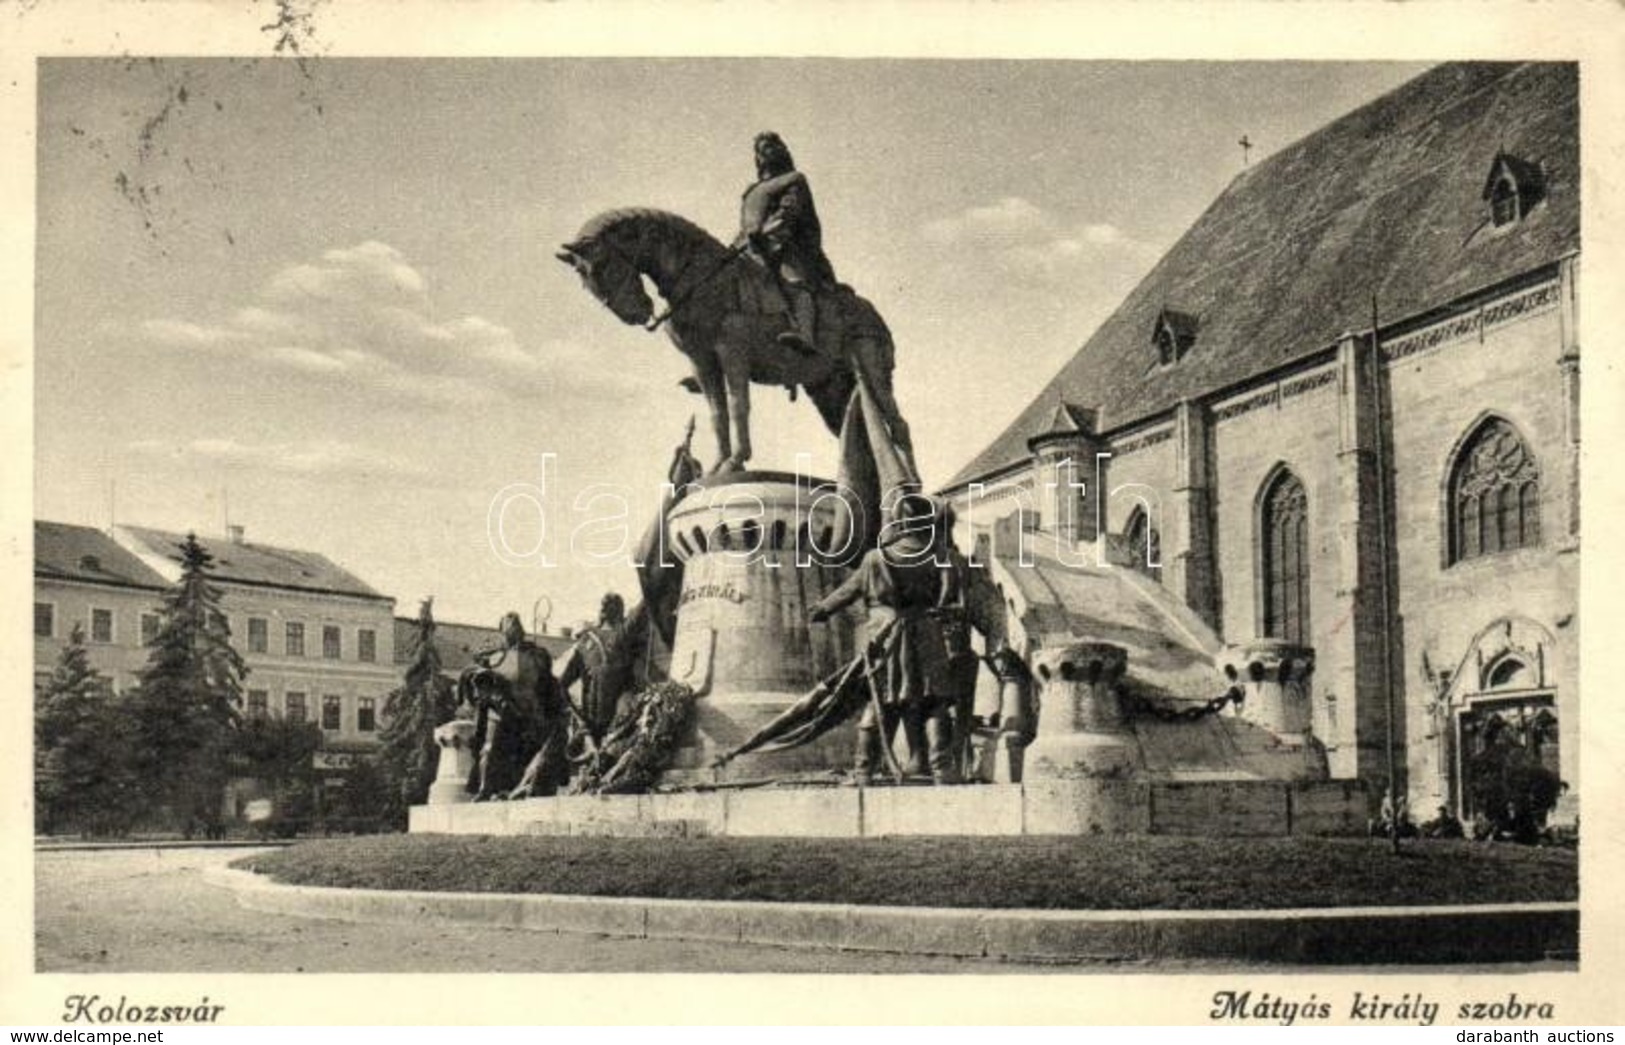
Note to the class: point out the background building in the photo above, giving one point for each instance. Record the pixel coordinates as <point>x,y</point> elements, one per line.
<point>1343,411</point>
<point>82,576</point>
<point>318,641</point>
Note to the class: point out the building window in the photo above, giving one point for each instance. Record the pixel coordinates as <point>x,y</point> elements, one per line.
<point>1494,494</point>
<point>366,715</point>
<point>366,645</point>
<point>293,643</point>
<point>1513,187</point>
<point>1285,532</point>
<point>1173,334</point>
<point>332,646</point>
<point>149,628</point>
<point>1167,347</point>
<point>259,635</point>
<point>101,625</point>
<point>1504,202</point>
<point>332,713</point>
<point>1145,544</point>
<point>44,620</point>
<point>259,703</point>
<point>294,707</point>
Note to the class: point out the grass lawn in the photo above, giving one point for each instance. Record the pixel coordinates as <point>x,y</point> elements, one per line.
<point>1094,873</point>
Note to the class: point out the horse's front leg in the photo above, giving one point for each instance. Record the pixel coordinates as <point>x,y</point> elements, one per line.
<point>737,373</point>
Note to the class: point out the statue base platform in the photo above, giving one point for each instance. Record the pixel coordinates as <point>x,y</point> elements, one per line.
<point>1057,807</point>
<point>722,721</point>
<point>750,547</point>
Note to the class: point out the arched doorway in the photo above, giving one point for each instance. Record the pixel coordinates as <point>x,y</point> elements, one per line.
<point>1506,768</point>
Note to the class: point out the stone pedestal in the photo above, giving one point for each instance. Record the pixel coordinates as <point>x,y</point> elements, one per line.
<point>751,545</point>
<point>456,762</point>
<point>1017,721</point>
<point>1275,677</point>
<point>1081,728</point>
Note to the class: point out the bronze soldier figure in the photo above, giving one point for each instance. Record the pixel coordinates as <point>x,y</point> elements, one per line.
<point>518,710</point>
<point>901,583</point>
<point>601,663</point>
<point>778,225</point>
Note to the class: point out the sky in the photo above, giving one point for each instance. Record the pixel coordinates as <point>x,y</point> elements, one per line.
<point>319,298</point>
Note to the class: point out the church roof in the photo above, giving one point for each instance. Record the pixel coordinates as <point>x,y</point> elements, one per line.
<point>1385,201</point>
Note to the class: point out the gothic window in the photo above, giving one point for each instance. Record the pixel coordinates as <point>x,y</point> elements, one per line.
<point>1145,544</point>
<point>1284,526</point>
<point>1494,494</point>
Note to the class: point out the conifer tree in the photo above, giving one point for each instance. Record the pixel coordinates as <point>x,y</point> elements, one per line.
<point>83,776</point>
<point>412,710</point>
<point>188,696</point>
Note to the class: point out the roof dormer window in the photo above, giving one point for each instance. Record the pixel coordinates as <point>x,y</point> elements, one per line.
<point>1504,202</point>
<point>1173,335</point>
<point>1512,189</point>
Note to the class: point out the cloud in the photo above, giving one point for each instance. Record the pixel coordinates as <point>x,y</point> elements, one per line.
<point>364,317</point>
<point>321,458</point>
<point>1020,238</point>
<point>193,335</point>
<point>1011,219</point>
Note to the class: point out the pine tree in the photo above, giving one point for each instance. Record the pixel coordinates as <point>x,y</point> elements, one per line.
<point>189,692</point>
<point>423,701</point>
<point>83,777</point>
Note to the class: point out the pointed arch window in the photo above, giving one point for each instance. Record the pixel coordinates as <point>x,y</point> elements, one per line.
<point>1284,522</point>
<point>1145,544</point>
<point>1494,494</point>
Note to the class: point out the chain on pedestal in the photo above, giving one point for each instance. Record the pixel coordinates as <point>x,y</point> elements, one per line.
<point>1139,706</point>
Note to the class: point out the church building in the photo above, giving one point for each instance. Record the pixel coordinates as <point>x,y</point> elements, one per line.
<point>1342,412</point>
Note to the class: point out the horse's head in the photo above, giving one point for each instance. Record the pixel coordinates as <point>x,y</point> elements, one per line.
<point>609,275</point>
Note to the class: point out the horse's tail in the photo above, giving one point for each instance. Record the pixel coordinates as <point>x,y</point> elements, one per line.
<point>831,396</point>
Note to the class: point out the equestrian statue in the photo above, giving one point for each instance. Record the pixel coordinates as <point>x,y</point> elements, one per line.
<point>765,310</point>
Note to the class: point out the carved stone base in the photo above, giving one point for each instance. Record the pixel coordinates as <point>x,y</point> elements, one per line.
<point>1081,728</point>
<point>751,573</point>
<point>1275,677</point>
<point>450,785</point>
<point>1078,755</point>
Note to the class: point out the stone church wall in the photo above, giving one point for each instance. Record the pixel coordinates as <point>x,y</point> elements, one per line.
<point>1438,396</point>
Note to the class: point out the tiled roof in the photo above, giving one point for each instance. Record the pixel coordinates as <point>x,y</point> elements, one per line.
<point>261,564</point>
<point>81,553</point>
<point>1385,201</point>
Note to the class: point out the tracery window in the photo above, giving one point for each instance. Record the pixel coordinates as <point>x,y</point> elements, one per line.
<point>1284,524</point>
<point>1494,494</point>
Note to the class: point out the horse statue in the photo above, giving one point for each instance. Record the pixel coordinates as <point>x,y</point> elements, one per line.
<point>725,311</point>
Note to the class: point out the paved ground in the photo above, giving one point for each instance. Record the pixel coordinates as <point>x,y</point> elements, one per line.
<point>149,910</point>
